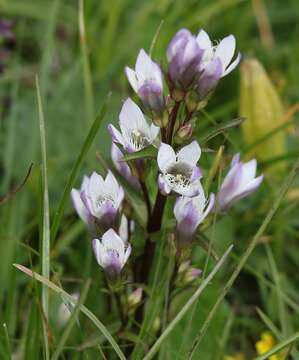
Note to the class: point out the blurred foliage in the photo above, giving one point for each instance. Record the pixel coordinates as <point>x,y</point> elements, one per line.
<point>47,43</point>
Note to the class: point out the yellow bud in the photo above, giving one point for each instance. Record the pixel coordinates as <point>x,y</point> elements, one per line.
<point>261,105</point>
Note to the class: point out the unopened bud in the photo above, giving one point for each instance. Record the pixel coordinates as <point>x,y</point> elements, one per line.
<point>184,133</point>
<point>134,298</point>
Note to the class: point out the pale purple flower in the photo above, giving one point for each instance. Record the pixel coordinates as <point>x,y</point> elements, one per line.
<point>190,213</point>
<point>179,171</point>
<point>111,252</point>
<point>121,166</point>
<point>184,57</point>
<point>224,51</point>
<point>146,80</point>
<point>136,134</point>
<point>103,198</point>
<point>240,181</point>
<point>78,204</point>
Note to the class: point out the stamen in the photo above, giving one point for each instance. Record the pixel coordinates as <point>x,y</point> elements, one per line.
<point>138,140</point>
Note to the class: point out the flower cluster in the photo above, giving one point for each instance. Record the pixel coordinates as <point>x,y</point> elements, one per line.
<point>161,122</point>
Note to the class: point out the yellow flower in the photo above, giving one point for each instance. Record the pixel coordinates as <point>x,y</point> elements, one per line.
<point>266,343</point>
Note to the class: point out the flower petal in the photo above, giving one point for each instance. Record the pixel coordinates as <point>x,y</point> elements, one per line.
<point>131,76</point>
<point>111,240</point>
<point>98,251</point>
<point>163,186</point>
<point>166,157</point>
<point>190,154</point>
<point>79,206</point>
<point>131,118</point>
<point>204,42</point>
<point>116,135</point>
<point>233,65</point>
<point>226,49</point>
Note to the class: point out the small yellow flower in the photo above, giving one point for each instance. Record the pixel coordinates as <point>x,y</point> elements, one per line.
<point>266,343</point>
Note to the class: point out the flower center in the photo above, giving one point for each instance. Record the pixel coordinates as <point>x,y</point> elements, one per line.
<point>179,175</point>
<point>101,200</point>
<point>112,252</point>
<point>139,140</point>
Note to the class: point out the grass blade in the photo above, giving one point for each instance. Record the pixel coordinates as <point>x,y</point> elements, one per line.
<point>83,308</point>
<point>76,168</point>
<point>283,190</point>
<point>290,340</point>
<point>7,343</point>
<point>187,306</point>
<point>89,98</point>
<point>71,322</point>
<point>45,229</point>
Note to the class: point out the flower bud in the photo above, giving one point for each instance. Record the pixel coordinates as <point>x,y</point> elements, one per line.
<point>135,297</point>
<point>184,57</point>
<point>147,82</point>
<point>184,133</point>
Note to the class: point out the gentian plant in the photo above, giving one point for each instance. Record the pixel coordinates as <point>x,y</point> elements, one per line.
<point>156,157</point>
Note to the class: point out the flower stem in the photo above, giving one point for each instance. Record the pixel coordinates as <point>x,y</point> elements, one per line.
<point>172,121</point>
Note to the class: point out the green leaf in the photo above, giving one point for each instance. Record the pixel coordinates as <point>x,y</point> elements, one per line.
<point>45,228</point>
<point>187,306</point>
<point>148,152</point>
<point>280,196</point>
<point>219,129</point>
<point>83,308</point>
<point>71,322</point>
<point>76,168</point>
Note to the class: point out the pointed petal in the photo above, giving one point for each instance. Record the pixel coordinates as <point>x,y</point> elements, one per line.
<point>166,157</point>
<point>226,49</point>
<point>96,185</point>
<point>111,240</point>
<point>131,76</point>
<point>111,184</point>
<point>154,131</point>
<point>190,154</point>
<point>144,66</point>
<point>116,135</point>
<point>98,251</point>
<point>79,206</point>
<point>233,65</point>
<point>127,253</point>
<point>132,118</point>
<point>209,207</point>
<point>204,41</point>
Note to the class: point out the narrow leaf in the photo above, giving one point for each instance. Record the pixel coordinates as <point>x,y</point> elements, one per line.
<point>83,308</point>
<point>218,129</point>
<point>76,168</point>
<point>187,306</point>
<point>148,152</point>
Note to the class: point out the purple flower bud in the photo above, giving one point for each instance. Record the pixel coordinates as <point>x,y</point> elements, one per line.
<point>111,252</point>
<point>147,82</point>
<point>184,57</point>
<point>184,133</point>
<point>190,213</point>
<point>238,183</point>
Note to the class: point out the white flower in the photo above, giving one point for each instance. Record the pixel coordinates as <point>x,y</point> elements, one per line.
<point>78,204</point>
<point>136,133</point>
<point>190,213</point>
<point>238,183</point>
<point>179,172</point>
<point>111,252</point>
<point>224,51</point>
<point>103,198</point>
<point>147,81</point>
